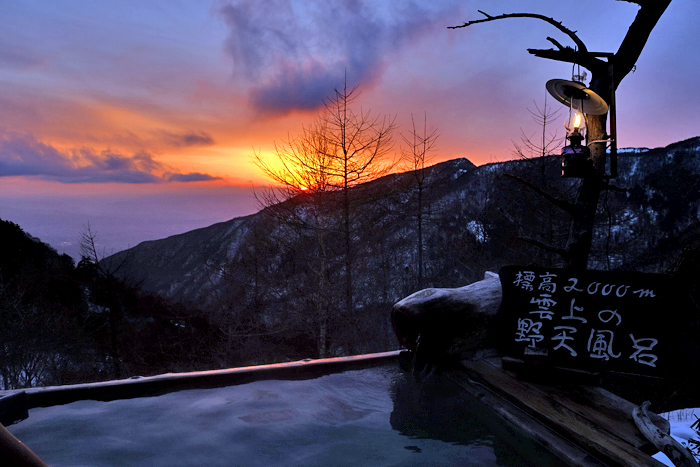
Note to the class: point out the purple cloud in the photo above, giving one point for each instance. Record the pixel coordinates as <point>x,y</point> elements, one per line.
<point>295,88</point>
<point>297,52</point>
<point>192,138</point>
<point>191,177</point>
<point>22,155</point>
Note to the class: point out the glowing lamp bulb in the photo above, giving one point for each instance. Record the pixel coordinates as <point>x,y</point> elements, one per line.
<point>576,122</point>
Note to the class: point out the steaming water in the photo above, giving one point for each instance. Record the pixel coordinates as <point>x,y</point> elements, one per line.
<point>372,417</point>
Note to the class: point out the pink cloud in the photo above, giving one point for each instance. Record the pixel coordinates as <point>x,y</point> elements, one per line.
<point>22,155</point>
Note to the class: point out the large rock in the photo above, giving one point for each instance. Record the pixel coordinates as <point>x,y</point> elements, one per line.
<point>438,319</point>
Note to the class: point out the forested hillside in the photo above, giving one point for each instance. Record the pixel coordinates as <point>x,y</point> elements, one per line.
<point>279,273</point>
<point>64,324</point>
<point>269,287</point>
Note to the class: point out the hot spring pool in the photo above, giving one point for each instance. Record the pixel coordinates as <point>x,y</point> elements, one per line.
<point>370,417</point>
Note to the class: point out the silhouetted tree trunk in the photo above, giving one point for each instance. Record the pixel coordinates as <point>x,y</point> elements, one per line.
<point>537,149</point>
<point>106,289</point>
<point>357,144</point>
<point>416,153</point>
<point>337,152</point>
<point>583,210</point>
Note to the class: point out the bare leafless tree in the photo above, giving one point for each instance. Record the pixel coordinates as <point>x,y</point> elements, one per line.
<point>339,150</point>
<point>416,151</point>
<point>358,145</point>
<point>542,143</point>
<point>105,288</point>
<point>605,79</point>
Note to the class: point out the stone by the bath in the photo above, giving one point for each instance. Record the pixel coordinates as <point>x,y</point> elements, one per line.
<point>436,318</point>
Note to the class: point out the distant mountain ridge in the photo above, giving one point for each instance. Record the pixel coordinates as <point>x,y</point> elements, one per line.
<point>467,206</point>
<point>174,266</point>
<point>270,286</point>
<point>182,266</point>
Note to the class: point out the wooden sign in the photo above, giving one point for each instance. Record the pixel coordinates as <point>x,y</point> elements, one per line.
<point>592,320</point>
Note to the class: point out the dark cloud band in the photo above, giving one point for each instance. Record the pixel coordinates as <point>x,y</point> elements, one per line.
<point>296,52</point>
<point>22,155</point>
<point>192,138</point>
<point>191,177</point>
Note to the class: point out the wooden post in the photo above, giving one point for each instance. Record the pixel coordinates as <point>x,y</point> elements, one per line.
<point>14,453</point>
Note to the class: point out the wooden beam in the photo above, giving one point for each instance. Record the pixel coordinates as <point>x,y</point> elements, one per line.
<point>592,418</point>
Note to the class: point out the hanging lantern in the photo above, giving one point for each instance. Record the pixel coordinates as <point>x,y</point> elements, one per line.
<point>576,157</point>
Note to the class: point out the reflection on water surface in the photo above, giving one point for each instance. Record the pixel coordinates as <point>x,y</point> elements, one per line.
<point>371,417</point>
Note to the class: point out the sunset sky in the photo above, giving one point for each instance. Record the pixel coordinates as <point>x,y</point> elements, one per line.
<point>140,117</point>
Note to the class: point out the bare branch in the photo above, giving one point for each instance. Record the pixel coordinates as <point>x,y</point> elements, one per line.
<point>560,203</point>
<point>641,3</point>
<point>557,24</point>
<point>556,43</point>
<point>569,55</point>
<point>531,148</point>
<point>623,62</point>
<point>545,246</point>
<point>627,55</point>
<point>417,148</point>
<point>637,36</point>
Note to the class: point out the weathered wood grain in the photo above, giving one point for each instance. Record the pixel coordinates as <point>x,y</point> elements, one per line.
<point>610,436</point>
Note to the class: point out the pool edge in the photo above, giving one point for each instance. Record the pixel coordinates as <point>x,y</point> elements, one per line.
<point>19,401</point>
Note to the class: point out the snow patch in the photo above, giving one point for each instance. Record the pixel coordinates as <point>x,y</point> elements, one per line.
<point>458,173</point>
<point>478,230</point>
<point>680,421</point>
<point>632,150</point>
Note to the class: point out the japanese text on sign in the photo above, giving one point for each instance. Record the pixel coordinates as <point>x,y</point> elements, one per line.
<point>575,316</point>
